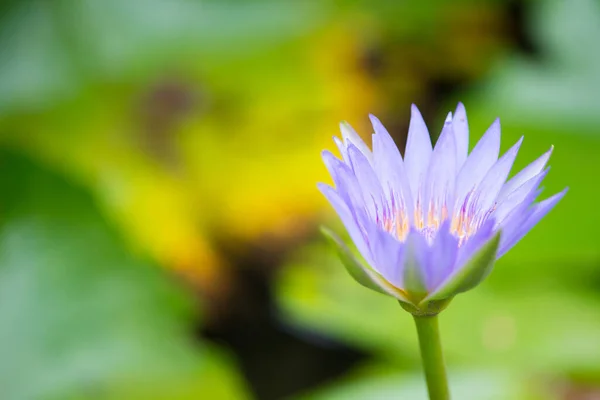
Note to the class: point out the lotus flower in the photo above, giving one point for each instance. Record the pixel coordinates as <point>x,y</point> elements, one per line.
<point>431,225</point>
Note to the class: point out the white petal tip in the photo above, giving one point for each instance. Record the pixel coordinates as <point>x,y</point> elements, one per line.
<point>374,121</point>
<point>460,112</point>
<point>328,156</point>
<point>515,148</point>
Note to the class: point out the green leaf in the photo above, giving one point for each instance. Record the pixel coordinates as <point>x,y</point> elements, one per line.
<point>471,274</point>
<point>359,271</point>
<point>562,90</point>
<point>52,49</point>
<point>377,382</point>
<point>81,317</point>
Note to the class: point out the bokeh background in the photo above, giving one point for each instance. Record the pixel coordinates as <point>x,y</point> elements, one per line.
<point>159,215</point>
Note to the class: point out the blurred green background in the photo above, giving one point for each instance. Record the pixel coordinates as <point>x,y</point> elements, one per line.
<point>159,214</point>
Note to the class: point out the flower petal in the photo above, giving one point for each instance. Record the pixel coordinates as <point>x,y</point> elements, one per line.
<point>441,175</point>
<point>360,272</point>
<point>460,126</point>
<point>494,180</point>
<point>345,181</point>
<point>442,256</point>
<point>525,174</point>
<point>333,165</point>
<point>538,212</point>
<point>388,254</point>
<point>389,166</point>
<point>415,264</point>
<point>349,220</point>
<point>517,197</point>
<point>479,162</point>
<point>475,242</point>
<point>418,151</point>
<point>351,137</point>
<point>342,148</point>
<point>367,181</point>
<point>469,275</point>
<point>517,216</point>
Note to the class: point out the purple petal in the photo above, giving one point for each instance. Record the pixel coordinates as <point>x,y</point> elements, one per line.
<point>333,165</point>
<point>389,166</point>
<point>475,242</point>
<point>348,219</point>
<point>351,137</point>
<point>367,180</point>
<point>442,256</point>
<point>514,220</point>
<point>339,172</point>
<point>525,174</point>
<point>517,197</point>
<point>441,175</point>
<point>460,127</point>
<point>385,135</point>
<point>536,213</point>
<point>347,184</point>
<point>342,148</point>
<point>495,179</point>
<point>415,264</point>
<point>387,253</point>
<point>473,267</point>
<point>479,162</point>
<point>418,151</point>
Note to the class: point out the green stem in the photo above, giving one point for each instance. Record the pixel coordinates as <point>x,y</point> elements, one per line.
<point>431,354</point>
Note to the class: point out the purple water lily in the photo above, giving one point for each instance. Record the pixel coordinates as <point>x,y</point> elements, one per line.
<point>431,224</point>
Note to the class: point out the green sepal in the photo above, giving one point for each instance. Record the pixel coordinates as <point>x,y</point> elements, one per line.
<point>470,275</point>
<point>427,309</point>
<point>362,273</point>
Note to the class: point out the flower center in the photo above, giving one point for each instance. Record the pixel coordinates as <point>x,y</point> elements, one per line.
<point>465,221</point>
